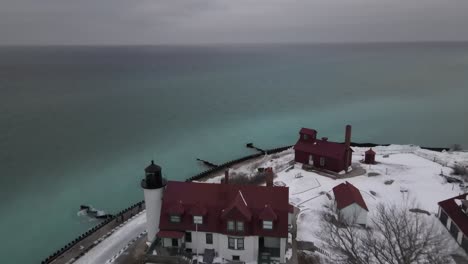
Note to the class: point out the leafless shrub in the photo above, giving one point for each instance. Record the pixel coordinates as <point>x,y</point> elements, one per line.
<point>460,170</point>
<point>243,178</point>
<point>304,258</point>
<point>456,147</point>
<point>254,166</point>
<point>396,236</point>
<point>275,156</point>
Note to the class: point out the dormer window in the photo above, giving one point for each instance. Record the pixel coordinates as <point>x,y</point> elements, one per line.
<point>305,137</point>
<point>235,226</point>
<point>268,225</point>
<point>174,218</point>
<point>230,226</point>
<point>198,219</point>
<point>240,226</point>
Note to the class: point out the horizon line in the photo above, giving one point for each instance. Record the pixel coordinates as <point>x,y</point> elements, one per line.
<point>240,44</point>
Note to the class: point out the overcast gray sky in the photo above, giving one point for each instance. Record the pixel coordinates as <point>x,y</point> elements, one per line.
<point>229,21</point>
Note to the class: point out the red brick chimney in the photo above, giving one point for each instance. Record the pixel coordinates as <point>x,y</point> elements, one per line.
<point>269,177</point>
<point>226,177</point>
<point>347,158</point>
<point>348,136</point>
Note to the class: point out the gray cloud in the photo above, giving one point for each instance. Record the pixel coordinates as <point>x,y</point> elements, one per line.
<point>218,21</point>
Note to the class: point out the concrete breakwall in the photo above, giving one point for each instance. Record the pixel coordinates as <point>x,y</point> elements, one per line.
<point>54,256</point>
<point>196,177</point>
<point>226,165</point>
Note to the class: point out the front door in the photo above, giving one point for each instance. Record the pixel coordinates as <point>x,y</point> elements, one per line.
<point>311,160</point>
<point>175,242</point>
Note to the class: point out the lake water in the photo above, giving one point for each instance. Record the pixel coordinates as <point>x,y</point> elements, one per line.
<point>79,124</point>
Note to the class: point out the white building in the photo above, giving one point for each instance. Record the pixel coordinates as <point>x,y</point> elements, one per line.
<point>350,205</point>
<point>453,213</point>
<point>233,222</point>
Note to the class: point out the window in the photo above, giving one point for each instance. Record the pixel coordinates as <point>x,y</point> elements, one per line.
<point>198,219</point>
<point>235,226</point>
<point>188,237</point>
<point>268,225</point>
<point>240,243</point>
<point>240,226</point>
<point>230,225</point>
<point>235,258</point>
<point>231,243</point>
<point>306,137</point>
<point>322,161</point>
<point>175,219</point>
<point>209,238</point>
<point>236,243</point>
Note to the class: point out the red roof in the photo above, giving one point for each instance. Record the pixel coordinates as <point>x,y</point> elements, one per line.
<point>170,234</point>
<point>322,148</point>
<point>197,209</point>
<point>308,131</point>
<point>346,194</point>
<point>455,213</point>
<point>370,151</point>
<point>225,202</point>
<point>176,208</point>
<point>268,213</point>
<point>240,206</point>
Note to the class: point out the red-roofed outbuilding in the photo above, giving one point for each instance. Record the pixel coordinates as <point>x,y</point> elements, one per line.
<point>321,153</point>
<point>369,156</point>
<point>350,204</point>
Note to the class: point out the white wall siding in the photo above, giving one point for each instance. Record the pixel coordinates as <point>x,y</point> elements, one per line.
<point>283,250</point>
<point>220,245</point>
<point>355,213</point>
<point>460,237</point>
<point>199,241</point>
<point>249,254</point>
<point>153,201</point>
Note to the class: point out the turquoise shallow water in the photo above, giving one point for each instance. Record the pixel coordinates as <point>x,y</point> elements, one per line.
<point>79,124</point>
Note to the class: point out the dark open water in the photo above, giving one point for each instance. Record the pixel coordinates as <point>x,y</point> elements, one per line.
<point>79,124</point>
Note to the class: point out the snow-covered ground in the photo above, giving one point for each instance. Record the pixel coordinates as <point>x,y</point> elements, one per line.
<point>411,168</point>
<point>415,171</point>
<point>113,244</point>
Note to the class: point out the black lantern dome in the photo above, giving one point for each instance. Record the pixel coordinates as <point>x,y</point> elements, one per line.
<point>153,177</point>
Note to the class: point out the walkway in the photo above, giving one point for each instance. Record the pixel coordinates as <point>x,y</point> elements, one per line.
<point>293,259</point>
<point>88,242</point>
<point>115,242</point>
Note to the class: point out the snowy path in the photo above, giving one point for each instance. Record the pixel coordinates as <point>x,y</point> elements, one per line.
<point>115,242</point>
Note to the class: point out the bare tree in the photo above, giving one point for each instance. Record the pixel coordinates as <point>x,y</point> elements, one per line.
<point>394,236</point>
<point>456,147</point>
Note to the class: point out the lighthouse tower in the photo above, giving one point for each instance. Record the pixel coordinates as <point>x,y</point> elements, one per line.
<point>153,187</point>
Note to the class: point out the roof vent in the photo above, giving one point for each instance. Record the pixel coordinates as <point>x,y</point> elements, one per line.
<point>325,139</point>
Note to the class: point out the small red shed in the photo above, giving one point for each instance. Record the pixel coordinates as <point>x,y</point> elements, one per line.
<point>369,157</point>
